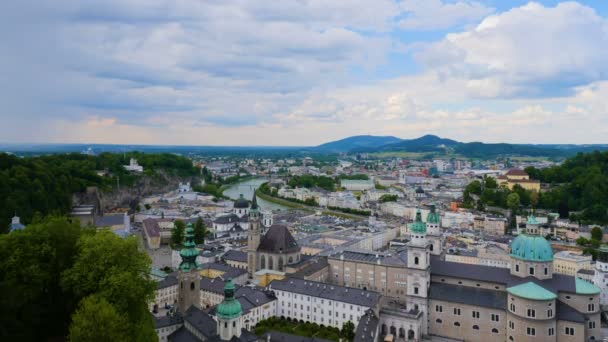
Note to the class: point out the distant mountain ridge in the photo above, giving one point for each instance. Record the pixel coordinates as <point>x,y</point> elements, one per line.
<point>434,144</point>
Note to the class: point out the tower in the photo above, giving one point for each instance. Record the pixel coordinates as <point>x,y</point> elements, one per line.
<point>601,273</point>
<point>419,270</point>
<point>229,314</point>
<point>189,278</point>
<point>253,242</point>
<point>433,222</point>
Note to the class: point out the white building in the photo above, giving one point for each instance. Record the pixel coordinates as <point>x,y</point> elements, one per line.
<point>133,166</point>
<point>600,279</point>
<point>322,303</point>
<point>357,184</point>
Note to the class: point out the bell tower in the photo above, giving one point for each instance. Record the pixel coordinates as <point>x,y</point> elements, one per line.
<point>433,223</point>
<point>255,227</point>
<point>189,278</point>
<point>229,314</point>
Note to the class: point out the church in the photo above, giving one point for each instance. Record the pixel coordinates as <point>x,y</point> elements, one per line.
<point>274,250</point>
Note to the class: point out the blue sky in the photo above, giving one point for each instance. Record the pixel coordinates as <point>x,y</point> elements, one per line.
<point>294,72</point>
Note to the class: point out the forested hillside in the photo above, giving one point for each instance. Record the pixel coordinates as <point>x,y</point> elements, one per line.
<point>579,184</point>
<point>45,184</point>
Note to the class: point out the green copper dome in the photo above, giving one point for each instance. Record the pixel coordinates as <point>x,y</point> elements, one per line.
<point>418,226</point>
<point>531,248</point>
<point>229,308</point>
<point>532,220</point>
<point>433,216</point>
<point>189,252</point>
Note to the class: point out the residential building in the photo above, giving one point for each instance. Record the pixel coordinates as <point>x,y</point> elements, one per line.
<point>567,262</point>
<point>518,177</point>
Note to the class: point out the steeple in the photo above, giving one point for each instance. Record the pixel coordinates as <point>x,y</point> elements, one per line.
<point>418,226</point>
<point>254,238</point>
<point>254,202</point>
<point>189,252</point>
<point>229,314</point>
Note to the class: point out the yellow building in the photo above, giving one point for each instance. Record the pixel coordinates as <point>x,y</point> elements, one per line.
<point>519,177</point>
<point>567,262</point>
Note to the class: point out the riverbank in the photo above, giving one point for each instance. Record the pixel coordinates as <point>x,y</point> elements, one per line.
<point>299,206</point>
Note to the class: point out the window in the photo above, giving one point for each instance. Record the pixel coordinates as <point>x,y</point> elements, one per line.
<point>550,313</point>
<point>494,331</point>
<point>569,331</point>
<point>415,290</point>
<point>511,325</point>
<point>475,314</point>
<point>531,271</point>
<point>476,327</point>
<point>531,313</point>
<point>590,307</point>
<point>456,324</point>
<point>546,271</point>
<point>512,307</point>
<point>438,321</point>
<point>495,318</point>
<point>531,331</point>
<point>416,261</point>
<point>591,324</point>
<point>516,268</point>
<point>457,311</point>
<point>551,332</point>
<point>510,338</point>
<point>438,308</point>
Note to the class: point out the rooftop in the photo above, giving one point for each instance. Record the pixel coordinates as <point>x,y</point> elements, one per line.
<point>469,295</point>
<point>532,291</point>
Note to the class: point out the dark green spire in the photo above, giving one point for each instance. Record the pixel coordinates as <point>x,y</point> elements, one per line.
<point>189,252</point>
<point>229,308</point>
<point>418,226</point>
<point>254,201</point>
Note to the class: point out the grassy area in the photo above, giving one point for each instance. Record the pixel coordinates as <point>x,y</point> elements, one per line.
<point>296,328</point>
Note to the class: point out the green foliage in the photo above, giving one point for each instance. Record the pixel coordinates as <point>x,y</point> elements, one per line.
<point>178,232</point>
<point>348,331</point>
<point>381,187</point>
<point>352,211</point>
<point>579,184</point>
<point>597,233</point>
<point>308,181</point>
<point>200,231</point>
<point>50,266</point>
<point>299,329</point>
<point>46,184</point>
<point>98,320</point>
<point>388,198</point>
<point>513,201</point>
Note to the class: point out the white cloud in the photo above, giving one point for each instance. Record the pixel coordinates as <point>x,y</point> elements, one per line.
<point>437,14</point>
<point>528,51</point>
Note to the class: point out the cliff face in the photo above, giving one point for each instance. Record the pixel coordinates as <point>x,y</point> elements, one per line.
<point>129,196</point>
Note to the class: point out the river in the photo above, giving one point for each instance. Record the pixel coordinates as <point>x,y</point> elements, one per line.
<point>247,188</point>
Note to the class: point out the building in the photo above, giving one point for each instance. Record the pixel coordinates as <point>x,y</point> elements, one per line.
<point>133,166</point>
<point>321,303</point>
<point>235,224</point>
<point>16,224</point>
<point>518,177</point>
<point>235,258</point>
<point>357,184</point>
<point>275,250</point>
<point>567,262</point>
<point>600,278</point>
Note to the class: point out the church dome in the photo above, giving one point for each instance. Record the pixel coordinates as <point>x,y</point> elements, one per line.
<point>433,216</point>
<point>531,248</point>
<point>418,226</point>
<point>229,308</point>
<point>241,203</point>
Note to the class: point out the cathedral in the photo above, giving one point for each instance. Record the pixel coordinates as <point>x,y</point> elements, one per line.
<point>272,251</point>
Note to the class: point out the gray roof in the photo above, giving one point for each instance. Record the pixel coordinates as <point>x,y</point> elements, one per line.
<point>276,336</point>
<point>367,328</point>
<point>399,259</point>
<point>314,266</point>
<point>469,295</point>
<point>201,321</point>
<point>585,271</point>
<point>215,285</point>
<point>235,255</point>
<point>168,281</point>
<point>558,283</point>
<point>344,294</point>
<point>253,297</point>
<point>167,321</point>
<point>182,335</point>
<point>278,239</point>
<point>230,218</point>
<point>568,313</point>
<point>109,220</point>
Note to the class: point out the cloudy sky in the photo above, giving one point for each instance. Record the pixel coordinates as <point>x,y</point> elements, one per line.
<point>302,72</point>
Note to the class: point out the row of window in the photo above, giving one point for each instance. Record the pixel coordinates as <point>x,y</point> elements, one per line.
<point>475,314</point>
<point>530,331</point>
<point>531,270</point>
<point>457,324</point>
<point>295,305</point>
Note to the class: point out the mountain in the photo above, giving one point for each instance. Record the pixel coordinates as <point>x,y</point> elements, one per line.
<point>356,142</point>
<point>426,143</point>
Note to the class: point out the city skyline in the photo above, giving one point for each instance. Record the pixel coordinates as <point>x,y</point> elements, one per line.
<point>303,73</point>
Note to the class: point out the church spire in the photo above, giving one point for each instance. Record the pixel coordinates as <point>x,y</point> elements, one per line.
<point>189,252</point>
<point>254,202</point>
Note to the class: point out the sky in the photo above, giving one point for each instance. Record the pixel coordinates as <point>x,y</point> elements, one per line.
<point>302,72</point>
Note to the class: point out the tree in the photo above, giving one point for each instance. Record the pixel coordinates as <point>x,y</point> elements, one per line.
<point>513,201</point>
<point>581,241</point>
<point>97,320</point>
<point>597,233</point>
<point>116,270</point>
<point>388,198</point>
<point>200,231</point>
<point>178,232</point>
<point>348,331</point>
